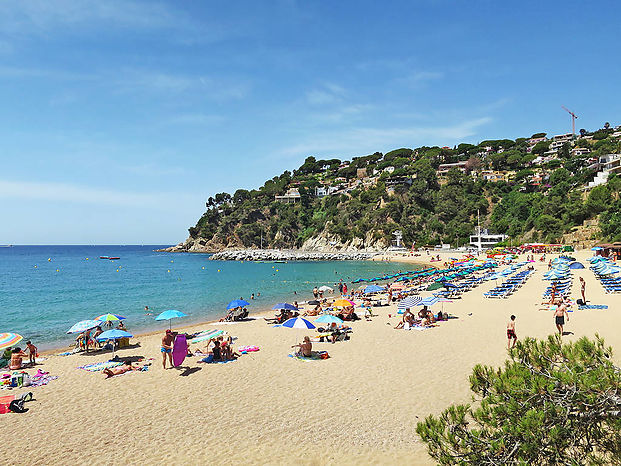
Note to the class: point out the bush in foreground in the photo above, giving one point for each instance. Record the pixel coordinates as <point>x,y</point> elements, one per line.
<point>552,403</point>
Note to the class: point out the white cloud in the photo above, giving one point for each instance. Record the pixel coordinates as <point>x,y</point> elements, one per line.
<point>328,93</point>
<point>44,16</point>
<point>72,193</point>
<point>366,140</point>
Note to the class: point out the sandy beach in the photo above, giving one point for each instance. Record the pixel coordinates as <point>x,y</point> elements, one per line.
<point>360,406</point>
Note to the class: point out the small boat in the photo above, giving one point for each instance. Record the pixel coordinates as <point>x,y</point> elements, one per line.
<point>114,258</point>
<point>104,257</point>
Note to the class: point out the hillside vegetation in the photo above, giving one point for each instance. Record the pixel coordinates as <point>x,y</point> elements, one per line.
<point>533,189</point>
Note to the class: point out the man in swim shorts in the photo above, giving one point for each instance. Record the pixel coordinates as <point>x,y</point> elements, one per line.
<point>559,317</point>
<point>511,333</point>
<point>167,347</point>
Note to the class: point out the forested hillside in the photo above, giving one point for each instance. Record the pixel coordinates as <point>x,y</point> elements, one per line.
<point>533,189</point>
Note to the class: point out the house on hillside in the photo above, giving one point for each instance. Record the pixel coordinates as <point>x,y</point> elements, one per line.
<point>444,168</point>
<point>290,197</point>
<point>533,141</point>
<point>398,180</point>
<point>563,138</point>
<point>494,176</point>
<point>323,191</point>
<point>580,151</point>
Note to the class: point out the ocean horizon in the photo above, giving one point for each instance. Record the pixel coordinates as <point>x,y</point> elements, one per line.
<point>45,289</point>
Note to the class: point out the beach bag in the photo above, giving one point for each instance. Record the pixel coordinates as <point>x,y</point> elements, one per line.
<point>579,302</point>
<point>17,406</point>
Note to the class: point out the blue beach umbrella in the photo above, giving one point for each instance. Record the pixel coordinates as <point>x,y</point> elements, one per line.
<point>328,319</point>
<point>373,289</point>
<point>286,306</point>
<point>170,314</point>
<point>113,335</point>
<point>576,265</point>
<point>237,303</point>
<point>298,322</point>
<point>84,325</point>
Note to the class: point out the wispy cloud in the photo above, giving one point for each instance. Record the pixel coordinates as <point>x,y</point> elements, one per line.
<point>328,93</point>
<point>72,193</point>
<point>366,140</point>
<point>198,119</point>
<point>42,16</point>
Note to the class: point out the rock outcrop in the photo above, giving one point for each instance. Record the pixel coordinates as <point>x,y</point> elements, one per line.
<point>290,255</point>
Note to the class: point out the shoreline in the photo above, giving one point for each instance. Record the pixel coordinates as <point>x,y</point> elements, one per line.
<point>284,397</point>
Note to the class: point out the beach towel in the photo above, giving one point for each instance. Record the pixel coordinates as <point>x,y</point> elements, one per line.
<point>315,356</point>
<point>100,366</point>
<point>40,380</point>
<point>5,401</point>
<point>207,335</point>
<point>68,353</point>
<point>209,360</point>
<point>593,306</point>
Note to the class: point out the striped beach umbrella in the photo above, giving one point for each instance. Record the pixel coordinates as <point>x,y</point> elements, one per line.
<point>83,326</point>
<point>208,335</point>
<point>109,317</point>
<point>429,301</point>
<point>298,322</point>
<point>410,301</point>
<point>9,339</point>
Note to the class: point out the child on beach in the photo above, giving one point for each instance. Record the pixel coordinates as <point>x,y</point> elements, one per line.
<point>511,332</point>
<point>32,352</point>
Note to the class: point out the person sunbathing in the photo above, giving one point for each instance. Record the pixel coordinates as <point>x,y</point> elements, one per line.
<point>305,348</point>
<point>407,317</point>
<point>16,359</point>
<point>126,367</point>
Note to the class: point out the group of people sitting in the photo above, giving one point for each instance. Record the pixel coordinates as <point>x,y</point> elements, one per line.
<point>219,349</point>
<point>282,316</point>
<point>16,356</point>
<point>236,314</point>
<point>424,318</point>
<point>86,340</point>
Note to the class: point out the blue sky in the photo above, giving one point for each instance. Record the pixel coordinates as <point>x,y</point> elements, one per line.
<point>120,118</point>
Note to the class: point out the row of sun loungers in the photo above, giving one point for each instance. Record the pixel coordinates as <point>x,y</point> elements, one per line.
<point>509,286</point>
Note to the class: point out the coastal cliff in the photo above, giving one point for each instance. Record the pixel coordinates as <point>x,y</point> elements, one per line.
<point>535,189</point>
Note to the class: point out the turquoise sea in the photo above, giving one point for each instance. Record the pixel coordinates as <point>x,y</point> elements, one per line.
<point>46,289</point>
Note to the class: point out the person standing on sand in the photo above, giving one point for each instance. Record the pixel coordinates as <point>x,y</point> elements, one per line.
<point>167,347</point>
<point>511,332</point>
<point>559,317</point>
<point>32,352</point>
<point>583,290</point>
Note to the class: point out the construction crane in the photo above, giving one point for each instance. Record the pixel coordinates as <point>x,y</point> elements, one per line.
<point>573,119</point>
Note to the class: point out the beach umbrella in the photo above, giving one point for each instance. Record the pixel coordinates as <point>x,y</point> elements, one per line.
<point>328,319</point>
<point>434,286</point>
<point>373,289</point>
<point>286,306</point>
<point>410,301</point>
<point>109,317</point>
<point>84,325</point>
<point>113,335</point>
<point>170,314</point>
<point>343,303</point>
<point>576,265</point>
<point>325,288</point>
<point>237,303</point>
<point>429,301</point>
<point>207,335</point>
<point>298,322</point>
<point>9,339</point>
<point>596,248</point>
